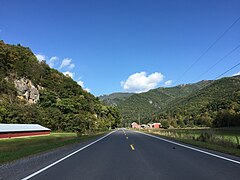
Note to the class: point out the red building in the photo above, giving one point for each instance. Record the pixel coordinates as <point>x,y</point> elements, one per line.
<point>135,125</point>
<point>18,130</point>
<point>156,125</point>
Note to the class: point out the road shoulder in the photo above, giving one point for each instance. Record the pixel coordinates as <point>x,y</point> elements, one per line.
<point>192,147</point>
<point>25,166</point>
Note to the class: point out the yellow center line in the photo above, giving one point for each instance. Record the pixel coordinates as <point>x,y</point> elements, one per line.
<point>131,145</point>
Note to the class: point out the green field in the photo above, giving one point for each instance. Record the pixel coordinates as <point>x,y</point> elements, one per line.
<point>12,149</point>
<point>220,139</point>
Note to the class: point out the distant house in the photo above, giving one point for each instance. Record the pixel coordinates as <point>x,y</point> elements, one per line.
<point>155,125</point>
<point>18,130</point>
<point>135,125</point>
<point>144,126</point>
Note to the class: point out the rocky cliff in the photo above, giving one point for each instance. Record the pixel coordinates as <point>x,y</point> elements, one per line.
<point>26,90</point>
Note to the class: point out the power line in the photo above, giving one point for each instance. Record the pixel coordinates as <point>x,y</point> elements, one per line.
<point>210,47</point>
<point>202,87</point>
<point>227,70</point>
<point>220,60</point>
<point>220,76</point>
<point>213,81</point>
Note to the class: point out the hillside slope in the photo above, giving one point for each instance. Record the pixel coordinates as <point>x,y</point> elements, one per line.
<point>146,105</point>
<point>115,98</point>
<point>32,92</point>
<point>204,104</point>
<point>217,104</point>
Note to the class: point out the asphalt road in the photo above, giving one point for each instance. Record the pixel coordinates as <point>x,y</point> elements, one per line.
<point>127,155</point>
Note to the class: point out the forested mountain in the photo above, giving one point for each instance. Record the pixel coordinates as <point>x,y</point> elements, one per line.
<point>147,104</point>
<point>32,92</point>
<point>217,104</point>
<point>206,103</point>
<point>115,98</point>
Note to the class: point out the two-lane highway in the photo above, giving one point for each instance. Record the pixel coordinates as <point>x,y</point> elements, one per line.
<point>126,154</point>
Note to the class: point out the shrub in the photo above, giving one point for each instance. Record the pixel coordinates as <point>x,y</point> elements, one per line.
<point>238,143</point>
<point>205,137</point>
<point>165,124</point>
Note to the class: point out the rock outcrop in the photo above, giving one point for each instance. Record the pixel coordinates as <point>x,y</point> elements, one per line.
<point>26,90</point>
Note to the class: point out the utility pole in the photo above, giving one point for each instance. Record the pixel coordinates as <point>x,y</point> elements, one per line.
<point>139,121</point>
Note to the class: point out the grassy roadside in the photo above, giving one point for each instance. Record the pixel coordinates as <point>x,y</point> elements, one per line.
<point>218,140</point>
<point>16,148</point>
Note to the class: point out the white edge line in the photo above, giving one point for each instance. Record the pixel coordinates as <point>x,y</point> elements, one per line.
<point>192,148</point>
<point>62,159</point>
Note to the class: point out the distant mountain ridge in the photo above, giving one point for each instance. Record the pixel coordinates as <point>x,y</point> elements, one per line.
<point>115,98</point>
<point>187,102</point>
<point>147,103</point>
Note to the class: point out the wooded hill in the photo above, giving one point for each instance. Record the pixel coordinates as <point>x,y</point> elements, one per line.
<point>206,103</point>
<point>115,99</point>
<point>32,92</point>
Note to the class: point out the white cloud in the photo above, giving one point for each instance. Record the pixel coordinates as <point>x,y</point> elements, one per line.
<point>40,57</point>
<point>87,89</point>
<point>168,83</point>
<point>67,63</point>
<point>71,66</point>
<point>236,74</point>
<point>52,61</point>
<point>81,83</point>
<point>140,82</point>
<point>70,74</point>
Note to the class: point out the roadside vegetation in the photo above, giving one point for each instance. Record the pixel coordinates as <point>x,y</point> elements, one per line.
<point>12,149</point>
<point>225,140</point>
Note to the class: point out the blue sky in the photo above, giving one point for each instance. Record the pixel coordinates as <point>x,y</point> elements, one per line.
<point>126,45</point>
